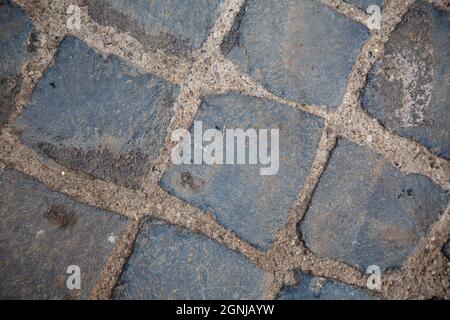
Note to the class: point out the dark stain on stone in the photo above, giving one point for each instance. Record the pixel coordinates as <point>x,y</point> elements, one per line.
<point>32,41</point>
<point>60,216</point>
<point>188,181</point>
<point>104,14</point>
<point>123,169</point>
<point>52,84</point>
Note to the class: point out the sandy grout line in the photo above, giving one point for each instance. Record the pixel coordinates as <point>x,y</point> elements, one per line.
<point>346,9</point>
<point>426,272</point>
<point>204,74</point>
<point>116,262</point>
<point>106,40</point>
<point>289,252</point>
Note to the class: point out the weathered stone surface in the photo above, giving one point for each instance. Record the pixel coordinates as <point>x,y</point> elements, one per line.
<point>170,262</point>
<point>409,89</point>
<point>301,50</point>
<point>16,30</point>
<point>365,212</point>
<point>364,4</point>
<point>252,205</point>
<point>42,233</point>
<point>314,288</point>
<point>174,26</point>
<point>98,114</point>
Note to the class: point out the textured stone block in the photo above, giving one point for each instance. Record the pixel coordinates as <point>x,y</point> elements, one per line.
<point>365,212</point>
<point>409,89</point>
<point>16,43</point>
<point>43,232</point>
<point>252,205</point>
<point>301,50</point>
<point>169,262</point>
<point>98,114</point>
<point>174,26</point>
<point>314,288</point>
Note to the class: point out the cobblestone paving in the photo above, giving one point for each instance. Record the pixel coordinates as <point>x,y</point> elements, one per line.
<point>85,151</point>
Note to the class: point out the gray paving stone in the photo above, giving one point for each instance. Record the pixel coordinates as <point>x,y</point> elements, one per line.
<point>314,288</point>
<point>252,205</point>
<point>174,26</point>
<point>364,4</point>
<point>170,262</point>
<point>409,89</point>
<point>365,212</point>
<point>301,50</point>
<point>16,43</point>
<point>43,232</point>
<point>98,114</point>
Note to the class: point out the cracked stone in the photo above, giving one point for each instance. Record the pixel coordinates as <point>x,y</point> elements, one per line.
<point>16,30</point>
<point>301,50</point>
<point>365,212</point>
<point>98,114</point>
<point>409,89</point>
<point>252,205</point>
<point>170,262</point>
<point>174,26</point>
<point>315,288</point>
<point>42,232</point>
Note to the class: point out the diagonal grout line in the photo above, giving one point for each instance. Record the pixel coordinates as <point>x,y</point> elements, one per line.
<point>426,272</point>
<point>106,40</point>
<point>168,67</point>
<point>46,48</point>
<point>115,264</point>
<point>350,11</point>
<point>195,86</point>
<point>289,251</point>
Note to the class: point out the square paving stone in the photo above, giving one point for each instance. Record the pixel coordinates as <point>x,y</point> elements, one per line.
<point>301,50</point>
<point>254,206</point>
<point>98,115</point>
<point>409,89</point>
<point>16,43</point>
<point>42,233</point>
<point>174,26</point>
<point>314,288</point>
<point>365,212</point>
<point>170,262</point>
